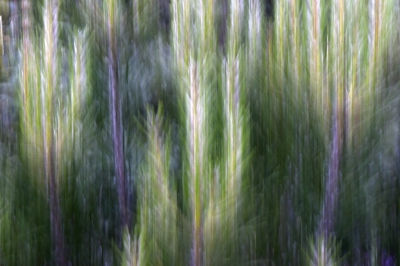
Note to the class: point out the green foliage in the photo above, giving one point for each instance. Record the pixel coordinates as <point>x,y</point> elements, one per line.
<point>242,137</point>
<point>323,252</point>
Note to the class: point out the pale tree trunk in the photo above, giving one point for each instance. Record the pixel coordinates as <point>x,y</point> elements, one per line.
<point>55,209</point>
<point>49,152</point>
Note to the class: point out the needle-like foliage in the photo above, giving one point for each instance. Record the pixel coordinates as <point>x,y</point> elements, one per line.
<point>157,132</point>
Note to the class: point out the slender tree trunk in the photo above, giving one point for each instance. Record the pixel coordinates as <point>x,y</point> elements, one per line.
<point>46,122</point>
<point>116,126</point>
<point>164,17</point>
<point>223,25</point>
<point>49,147</point>
<point>326,225</point>
<point>55,210</point>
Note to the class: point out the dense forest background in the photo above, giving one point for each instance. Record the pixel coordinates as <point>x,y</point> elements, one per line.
<point>180,132</point>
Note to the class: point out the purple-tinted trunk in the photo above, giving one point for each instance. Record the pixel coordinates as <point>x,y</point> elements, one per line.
<point>116,128</point>
<point>332,183</point>
<point>55,213</point>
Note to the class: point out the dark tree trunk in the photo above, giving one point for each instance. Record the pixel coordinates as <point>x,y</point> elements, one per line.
<point>116,127</point>
<point>222,26</point>
<point>326,225</point>
<point>269,8</point>
<point>164,15</point>
<point>55,210</point>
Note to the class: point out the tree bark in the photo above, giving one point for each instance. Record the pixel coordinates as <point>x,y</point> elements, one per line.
<point>326,225</point>
<point>116,127</point>
<point>55,209</point>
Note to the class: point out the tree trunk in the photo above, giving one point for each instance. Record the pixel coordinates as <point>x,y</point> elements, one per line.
<point>116,126</point>
<point>326,225</point>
